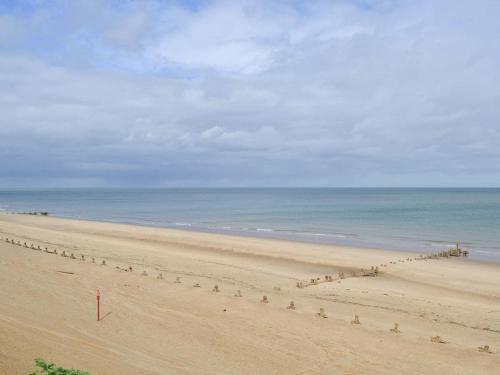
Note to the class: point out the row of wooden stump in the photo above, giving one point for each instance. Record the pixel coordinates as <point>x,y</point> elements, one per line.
<point>373,271</point>
<point>291,306</point>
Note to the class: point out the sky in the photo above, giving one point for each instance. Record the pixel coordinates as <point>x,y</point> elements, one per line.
<point>249,93</point>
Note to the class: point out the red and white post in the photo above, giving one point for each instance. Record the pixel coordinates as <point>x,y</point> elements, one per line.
<point>98,296</point>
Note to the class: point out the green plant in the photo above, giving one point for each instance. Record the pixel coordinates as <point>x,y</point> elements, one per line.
<point>48,368</point>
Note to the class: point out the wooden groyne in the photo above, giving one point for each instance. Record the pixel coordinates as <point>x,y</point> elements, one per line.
<point>38,213</point>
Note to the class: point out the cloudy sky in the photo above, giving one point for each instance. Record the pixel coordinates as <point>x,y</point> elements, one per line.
<point>249,93</point>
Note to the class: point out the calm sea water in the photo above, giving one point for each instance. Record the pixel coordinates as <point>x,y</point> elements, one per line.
<point>405,219</point>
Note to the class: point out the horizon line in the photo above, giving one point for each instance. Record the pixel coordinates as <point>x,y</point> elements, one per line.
<point>242,187</point>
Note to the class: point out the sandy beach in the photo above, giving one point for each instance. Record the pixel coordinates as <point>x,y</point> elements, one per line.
<point>156,320</point>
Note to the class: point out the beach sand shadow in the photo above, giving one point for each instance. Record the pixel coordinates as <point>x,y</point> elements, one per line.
<point>105,315</point>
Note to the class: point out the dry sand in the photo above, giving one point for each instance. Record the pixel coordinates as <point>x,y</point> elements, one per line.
<point>157,326</point>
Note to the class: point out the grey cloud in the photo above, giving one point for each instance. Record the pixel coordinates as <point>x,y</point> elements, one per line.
<point>334,94</point>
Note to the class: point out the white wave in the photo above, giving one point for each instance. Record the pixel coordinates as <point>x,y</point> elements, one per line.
<point>442,244</point>
<point>329,235</point>
<point>264,230</point>
<point>183,224</point>
<point>321,234</point>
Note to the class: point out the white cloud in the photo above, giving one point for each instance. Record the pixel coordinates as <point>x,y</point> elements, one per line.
<point>330,93</point>
<point>227,37</point>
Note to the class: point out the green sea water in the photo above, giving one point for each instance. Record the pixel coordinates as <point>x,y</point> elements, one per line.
<point>407,219</point>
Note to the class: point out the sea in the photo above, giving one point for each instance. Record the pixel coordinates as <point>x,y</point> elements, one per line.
<point>411,219</point>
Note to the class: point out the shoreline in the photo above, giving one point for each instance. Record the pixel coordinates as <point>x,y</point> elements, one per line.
<point>192,292</point>
<point>196,230</point>
<point>256,235</point>
<point>411,219</point>
<point>234,239</point>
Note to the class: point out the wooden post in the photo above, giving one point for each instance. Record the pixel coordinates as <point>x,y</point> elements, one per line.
<point>98,296</point>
